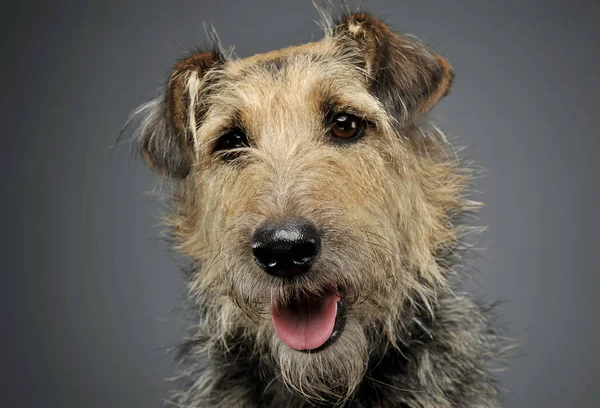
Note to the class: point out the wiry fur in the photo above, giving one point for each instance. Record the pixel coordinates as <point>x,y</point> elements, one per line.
<point>389,206</point>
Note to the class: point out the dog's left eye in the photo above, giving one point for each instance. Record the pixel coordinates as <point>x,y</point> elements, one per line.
<point>346,126</point>
<point>234,139</point>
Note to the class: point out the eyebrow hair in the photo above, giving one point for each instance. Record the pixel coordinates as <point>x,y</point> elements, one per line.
<point>331,105</point>
<point>227,125</point>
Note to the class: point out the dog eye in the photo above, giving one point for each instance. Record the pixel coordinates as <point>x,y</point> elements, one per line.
<point>234,139</point>
<point>346,126</point>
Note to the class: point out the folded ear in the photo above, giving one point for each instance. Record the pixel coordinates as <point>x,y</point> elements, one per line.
<point>406,77</point>
<point>165,140</point>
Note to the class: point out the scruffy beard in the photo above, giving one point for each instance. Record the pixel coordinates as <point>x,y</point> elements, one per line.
<point>375,298</point>
<point>328,376</point>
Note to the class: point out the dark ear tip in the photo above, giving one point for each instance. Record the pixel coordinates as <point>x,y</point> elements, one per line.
<point>450,83</point>
<point>160,145</point>
<point>148,159</point>
<point>447,75</point>
<point>174,170</point>
<point>177,167</point>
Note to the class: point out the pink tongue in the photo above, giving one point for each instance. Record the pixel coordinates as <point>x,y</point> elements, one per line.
<point>307,323</point>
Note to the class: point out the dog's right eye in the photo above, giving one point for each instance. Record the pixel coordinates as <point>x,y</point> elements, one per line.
<point>234,139</point>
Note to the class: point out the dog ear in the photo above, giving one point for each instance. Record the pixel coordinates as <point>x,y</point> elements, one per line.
<point>405,76</point>
<point>165,141</point>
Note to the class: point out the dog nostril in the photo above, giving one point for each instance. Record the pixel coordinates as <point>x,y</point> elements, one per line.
<point>286,248</point>
<point>303,253</point>
<point>265,257</point>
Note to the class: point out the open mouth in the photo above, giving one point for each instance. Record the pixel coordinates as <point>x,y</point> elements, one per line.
<point>309,323</point>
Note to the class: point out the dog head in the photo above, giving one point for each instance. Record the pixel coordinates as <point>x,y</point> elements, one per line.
<point>311,195</point>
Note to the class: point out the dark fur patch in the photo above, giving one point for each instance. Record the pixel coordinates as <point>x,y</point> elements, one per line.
<point>274,66</point>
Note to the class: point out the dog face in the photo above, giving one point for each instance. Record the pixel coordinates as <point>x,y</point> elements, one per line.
<point>309,193</point>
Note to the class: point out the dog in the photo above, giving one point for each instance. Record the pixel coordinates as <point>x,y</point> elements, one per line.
<point>323,216</point>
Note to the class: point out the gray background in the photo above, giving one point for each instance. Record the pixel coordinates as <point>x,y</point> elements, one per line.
<point>89,294</point>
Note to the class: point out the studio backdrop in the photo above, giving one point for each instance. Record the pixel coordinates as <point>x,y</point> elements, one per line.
<point>92,299</point>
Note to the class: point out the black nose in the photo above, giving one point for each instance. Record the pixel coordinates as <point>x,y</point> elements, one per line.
<point>286,248</point>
